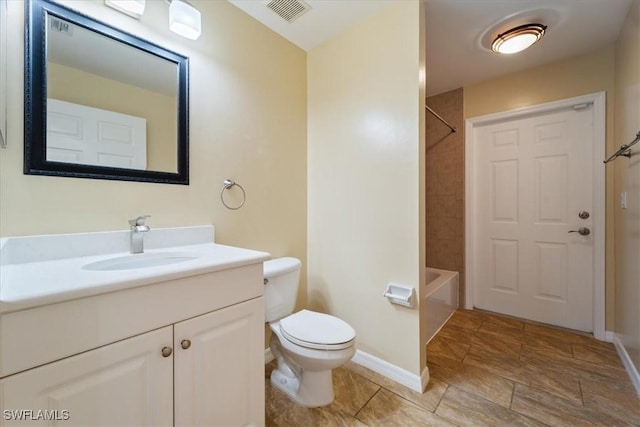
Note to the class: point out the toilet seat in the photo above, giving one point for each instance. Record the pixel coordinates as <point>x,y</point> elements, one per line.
<point>317,331</point>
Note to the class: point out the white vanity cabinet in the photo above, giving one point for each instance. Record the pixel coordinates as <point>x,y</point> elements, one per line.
<point>128,383</point>
<point>205,371</point>
<point>169,347</point>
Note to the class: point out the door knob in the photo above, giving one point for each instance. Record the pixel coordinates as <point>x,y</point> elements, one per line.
<point>583,231</point>
<point>583,215</point>
<point>166,351</point>
<point>185,344</point>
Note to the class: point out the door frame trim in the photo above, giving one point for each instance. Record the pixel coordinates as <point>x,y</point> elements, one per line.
<point>598,100</point>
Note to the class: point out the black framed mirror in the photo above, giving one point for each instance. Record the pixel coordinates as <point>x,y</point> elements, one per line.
<point>101,103</point>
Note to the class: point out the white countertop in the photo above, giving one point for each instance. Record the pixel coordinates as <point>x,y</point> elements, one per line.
<point>31,284</point>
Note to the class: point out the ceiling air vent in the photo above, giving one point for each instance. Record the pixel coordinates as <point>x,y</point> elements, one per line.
<point>289,10</point>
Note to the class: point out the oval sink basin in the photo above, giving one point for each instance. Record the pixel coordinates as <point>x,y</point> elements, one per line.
<point>129,262</point>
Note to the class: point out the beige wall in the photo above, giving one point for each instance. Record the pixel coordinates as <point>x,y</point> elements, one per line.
<point>627,221</point>
<point>366,122</point>
<point>590,73</point>
<point>247,122</point>
<point>445,185</point>
<point>160,111</point>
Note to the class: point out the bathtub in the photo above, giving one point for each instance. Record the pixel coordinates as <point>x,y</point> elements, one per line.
<point>441,298</point>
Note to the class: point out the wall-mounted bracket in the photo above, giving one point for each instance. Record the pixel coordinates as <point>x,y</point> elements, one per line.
<point>398,294</point>
<point>624,150</point>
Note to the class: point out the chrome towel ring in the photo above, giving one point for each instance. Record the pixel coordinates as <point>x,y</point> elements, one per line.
<point>227,184</point>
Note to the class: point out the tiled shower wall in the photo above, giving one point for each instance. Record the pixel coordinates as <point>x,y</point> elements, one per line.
<point>445,185</point>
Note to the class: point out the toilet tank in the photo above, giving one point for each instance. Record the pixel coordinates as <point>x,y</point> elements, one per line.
<point>281,278</point>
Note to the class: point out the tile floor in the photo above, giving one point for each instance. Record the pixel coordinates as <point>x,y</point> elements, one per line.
<point>486,370</point>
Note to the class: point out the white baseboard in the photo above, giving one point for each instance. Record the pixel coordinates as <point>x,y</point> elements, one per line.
<point>384,368</point>
<point>268,356</point>
<point>609,336</point>
<point>393,372</point>
<point>628,364</point>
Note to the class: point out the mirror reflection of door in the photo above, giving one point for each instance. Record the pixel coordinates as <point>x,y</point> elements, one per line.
<point>90,72</point>
<point>91,136</point>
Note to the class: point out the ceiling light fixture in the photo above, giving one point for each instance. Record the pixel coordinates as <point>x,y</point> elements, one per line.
<point>184,19</point>
<point>518,39</point>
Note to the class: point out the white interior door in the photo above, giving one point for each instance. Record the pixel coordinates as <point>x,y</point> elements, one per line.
<point>532,177</point>
<point>91,136</point>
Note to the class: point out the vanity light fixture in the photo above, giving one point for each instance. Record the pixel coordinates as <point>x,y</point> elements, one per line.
<point>518,39</point>
<point>184,19</point>
<point>133,8</point>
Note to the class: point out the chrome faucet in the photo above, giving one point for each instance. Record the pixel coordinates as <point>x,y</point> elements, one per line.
<point>138,227</point>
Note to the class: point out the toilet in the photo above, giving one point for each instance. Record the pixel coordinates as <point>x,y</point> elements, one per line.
<point>307,345</point>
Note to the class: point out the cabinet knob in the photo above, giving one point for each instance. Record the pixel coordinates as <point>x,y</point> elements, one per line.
<point>166,351</point>
<point>185,344</point>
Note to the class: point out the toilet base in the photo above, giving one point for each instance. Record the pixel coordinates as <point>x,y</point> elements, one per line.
<point>305,374</point>
<point>312,389</point>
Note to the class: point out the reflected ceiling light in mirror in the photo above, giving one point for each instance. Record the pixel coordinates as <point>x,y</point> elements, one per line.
<point>184,19</point>
<point>133,8</point>
<point>518,39</point>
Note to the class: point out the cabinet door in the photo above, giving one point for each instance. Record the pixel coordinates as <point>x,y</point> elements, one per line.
<point>128,383</point>
<point>219,378</point>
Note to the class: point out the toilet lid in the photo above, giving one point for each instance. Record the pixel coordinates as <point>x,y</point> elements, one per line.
<point>317,330</point>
